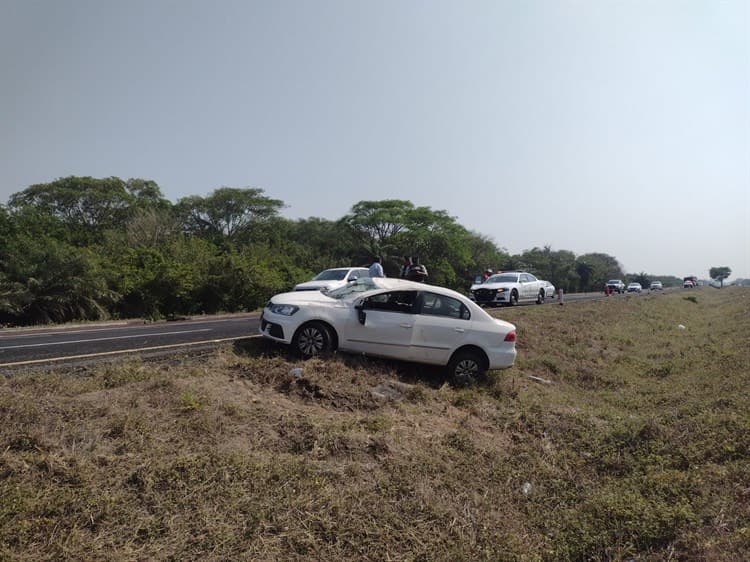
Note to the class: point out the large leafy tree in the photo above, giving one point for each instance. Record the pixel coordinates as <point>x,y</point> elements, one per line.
<point>394,228</point>
<point>315,244</point>
<point>720,273</point>
<point>558,267</point>
<point>595,269</point>
<point>228,213</point>
<point>88,206</point>
<point>379,222</point>
<point>483,254</point>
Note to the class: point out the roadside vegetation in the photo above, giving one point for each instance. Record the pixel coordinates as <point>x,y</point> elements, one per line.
<point>82,248</point>
<point>622,433</point>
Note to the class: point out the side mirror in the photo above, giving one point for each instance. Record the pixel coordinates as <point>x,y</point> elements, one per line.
<point>353,278</point>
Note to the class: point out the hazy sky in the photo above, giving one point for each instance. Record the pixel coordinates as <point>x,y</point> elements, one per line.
<point>608,126</point>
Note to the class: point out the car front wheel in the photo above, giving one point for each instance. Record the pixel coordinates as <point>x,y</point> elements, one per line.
<point>513,297</point>
<point>467,367</point>
<point>312,339</point>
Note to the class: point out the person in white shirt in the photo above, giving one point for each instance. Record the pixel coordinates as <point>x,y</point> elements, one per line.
<point>376,269</point>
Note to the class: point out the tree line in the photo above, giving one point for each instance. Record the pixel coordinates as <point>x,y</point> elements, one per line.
<point>83,248</point>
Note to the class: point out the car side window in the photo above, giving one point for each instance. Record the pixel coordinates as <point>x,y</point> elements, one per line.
<point>524,278</point>
<point>441,305</point>
<point>394,301</point>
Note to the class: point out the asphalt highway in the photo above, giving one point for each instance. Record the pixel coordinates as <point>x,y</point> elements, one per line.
<point>28,347</point>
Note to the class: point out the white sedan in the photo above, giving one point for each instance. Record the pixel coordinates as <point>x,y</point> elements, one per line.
<point>333,278</point>
<point>393,318</point>
<point>511,288</point>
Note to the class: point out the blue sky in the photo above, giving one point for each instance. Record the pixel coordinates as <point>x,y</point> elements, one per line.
<point>590,125</point>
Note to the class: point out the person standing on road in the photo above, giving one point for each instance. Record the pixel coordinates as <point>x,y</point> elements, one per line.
<point>376,269</point>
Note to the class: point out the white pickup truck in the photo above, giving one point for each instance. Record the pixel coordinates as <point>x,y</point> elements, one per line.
<point>508,288</point>
<point>615,285</point>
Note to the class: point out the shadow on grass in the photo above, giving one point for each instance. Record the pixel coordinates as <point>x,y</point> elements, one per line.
<point>411,373</point>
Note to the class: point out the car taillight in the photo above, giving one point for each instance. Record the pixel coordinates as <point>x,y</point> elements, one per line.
<point>510,336</point>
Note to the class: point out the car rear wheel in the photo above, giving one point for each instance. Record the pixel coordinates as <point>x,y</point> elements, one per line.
<point>312,339</point>
<point>467,367</point>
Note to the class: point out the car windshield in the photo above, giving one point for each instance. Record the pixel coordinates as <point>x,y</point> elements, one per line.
<point>503,278</point>
<point>359,286</point>
<point>614,281</point>
<point>331,275</point>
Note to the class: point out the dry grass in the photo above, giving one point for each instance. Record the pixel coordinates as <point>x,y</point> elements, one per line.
<point>637,449</point>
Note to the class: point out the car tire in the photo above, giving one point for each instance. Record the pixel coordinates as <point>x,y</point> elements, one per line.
<point>540,297</point>
<point>513,298</point>
<point>467,367</point>
<point>312,339</point>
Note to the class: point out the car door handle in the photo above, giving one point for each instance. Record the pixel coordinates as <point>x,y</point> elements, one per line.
<point>406,325</point>
<point>459,330</point>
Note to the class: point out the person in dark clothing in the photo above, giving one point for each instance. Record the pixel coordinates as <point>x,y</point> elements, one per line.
<point>406,267</point>
<point>417,272</point>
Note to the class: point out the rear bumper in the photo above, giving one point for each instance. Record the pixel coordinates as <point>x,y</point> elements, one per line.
<point>501,358</point>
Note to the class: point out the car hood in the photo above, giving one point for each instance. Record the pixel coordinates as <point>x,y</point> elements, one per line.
<point>316,285</point>
<point>302,298</point>
<point>492,286</point>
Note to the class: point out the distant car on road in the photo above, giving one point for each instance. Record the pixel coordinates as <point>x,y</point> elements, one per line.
<point>509,288</point>
<point>615,285</point>
<point>656,286</point>
<point>634,287</point>
<point>333,278</point>
<point>393,318</point>
<point>689,282</point>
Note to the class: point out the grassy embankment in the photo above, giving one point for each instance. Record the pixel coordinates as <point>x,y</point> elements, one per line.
<point>637,449</point>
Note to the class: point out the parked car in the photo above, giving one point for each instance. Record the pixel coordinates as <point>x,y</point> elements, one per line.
<point>615,285</point>
<point>634,287</point>
<point>393,318</point>
<point>549,290</point>
<point>510,288</point>
<point>656,286</point>
<point>333,278</point>
<point>687,284</point>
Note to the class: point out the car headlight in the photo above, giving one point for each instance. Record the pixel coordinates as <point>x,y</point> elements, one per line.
<point>283,309</point>
<point>501,290</point>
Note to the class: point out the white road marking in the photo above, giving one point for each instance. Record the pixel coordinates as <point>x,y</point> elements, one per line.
<point>121,351</point>
<point>30,332</point>
<point>49,344</point>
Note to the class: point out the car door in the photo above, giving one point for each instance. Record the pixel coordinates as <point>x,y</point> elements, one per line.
<point>533,286</point>
<point>383,326</point>
<point>441,325</point>
<point>523,291</point>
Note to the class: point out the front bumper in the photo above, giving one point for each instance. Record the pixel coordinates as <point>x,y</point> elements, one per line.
<point>488,296</point>
<point>276,327</point>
